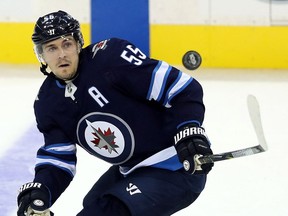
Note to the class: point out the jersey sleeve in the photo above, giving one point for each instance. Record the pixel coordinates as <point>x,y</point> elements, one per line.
<point>56,159</point>
<point>157,82</point>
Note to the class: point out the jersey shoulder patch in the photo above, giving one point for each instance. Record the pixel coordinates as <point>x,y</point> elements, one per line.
<point>99,46</point>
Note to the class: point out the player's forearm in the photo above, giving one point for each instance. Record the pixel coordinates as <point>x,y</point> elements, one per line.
<point>53,178</point>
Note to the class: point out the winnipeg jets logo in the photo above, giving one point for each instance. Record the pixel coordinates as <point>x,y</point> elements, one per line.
<point>106,136</point>
<point>104,139</point>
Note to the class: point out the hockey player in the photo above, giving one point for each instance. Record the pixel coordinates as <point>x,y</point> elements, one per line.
<point>139,114</point>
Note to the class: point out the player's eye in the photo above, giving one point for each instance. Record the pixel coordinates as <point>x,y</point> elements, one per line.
<point>51,49</point>
<point>67,44</point>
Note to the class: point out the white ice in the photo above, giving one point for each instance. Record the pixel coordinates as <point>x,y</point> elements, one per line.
<point>253,185</point>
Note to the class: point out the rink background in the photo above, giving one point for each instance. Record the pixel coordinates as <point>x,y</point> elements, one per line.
<point>255,185</point>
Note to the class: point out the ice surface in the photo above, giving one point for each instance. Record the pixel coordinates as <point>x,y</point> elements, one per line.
<point>254,185</point>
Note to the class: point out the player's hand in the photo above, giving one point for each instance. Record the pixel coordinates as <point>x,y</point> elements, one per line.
<point>32,212</point>
<point>33,200</point>
<point>191,142</point>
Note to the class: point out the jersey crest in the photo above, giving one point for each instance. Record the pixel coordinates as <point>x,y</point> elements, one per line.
<point>106,136</point>
<point>99,46</point>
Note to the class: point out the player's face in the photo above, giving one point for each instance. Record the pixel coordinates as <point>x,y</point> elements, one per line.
<point>62,56</point>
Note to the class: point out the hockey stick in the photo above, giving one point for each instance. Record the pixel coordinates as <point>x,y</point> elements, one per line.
<point>254,113</point>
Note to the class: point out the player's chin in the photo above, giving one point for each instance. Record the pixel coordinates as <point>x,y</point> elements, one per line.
<point>65,74</point>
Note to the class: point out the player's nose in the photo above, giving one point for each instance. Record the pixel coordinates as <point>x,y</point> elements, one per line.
<point>62,53</point>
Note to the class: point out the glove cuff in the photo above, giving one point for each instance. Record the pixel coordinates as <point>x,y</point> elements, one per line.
<point>39,193</point>
<point>189,131</point>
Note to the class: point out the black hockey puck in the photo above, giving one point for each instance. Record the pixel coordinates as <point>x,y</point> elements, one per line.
<point>191,60</point>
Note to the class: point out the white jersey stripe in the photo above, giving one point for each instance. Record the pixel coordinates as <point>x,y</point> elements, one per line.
<point>70,167</point>
<point>182,81</point>
<point>158,81</point>
<point>61,148</point>
<point>154,159</point>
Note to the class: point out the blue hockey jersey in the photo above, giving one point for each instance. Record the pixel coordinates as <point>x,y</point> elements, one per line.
<point>122,107</point>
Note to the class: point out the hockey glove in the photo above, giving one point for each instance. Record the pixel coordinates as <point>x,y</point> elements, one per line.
<point>33,200</point>
<point>191,142</point>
